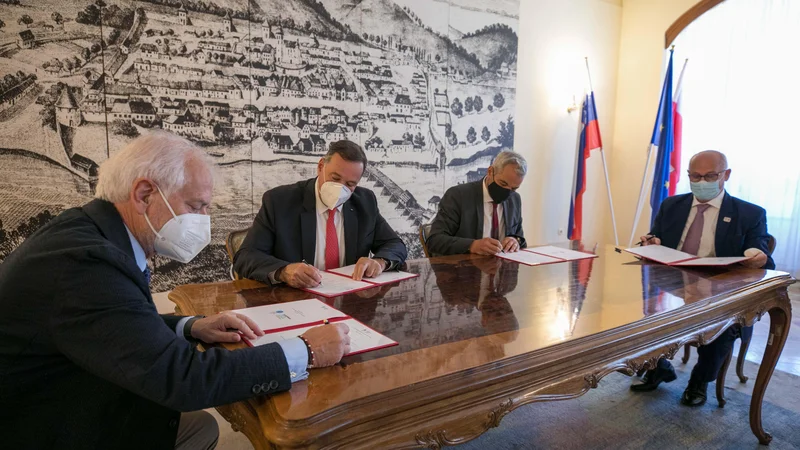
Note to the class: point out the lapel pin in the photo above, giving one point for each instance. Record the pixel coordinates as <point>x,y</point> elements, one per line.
<point>726,219</point>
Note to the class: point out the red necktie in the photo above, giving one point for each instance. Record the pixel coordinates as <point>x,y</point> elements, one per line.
<point>495,223</point>
<point>331,243</point>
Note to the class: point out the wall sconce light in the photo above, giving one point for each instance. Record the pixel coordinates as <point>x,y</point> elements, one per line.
<point>573,106</point>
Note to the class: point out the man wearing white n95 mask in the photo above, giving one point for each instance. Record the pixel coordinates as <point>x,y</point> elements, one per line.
<point>82,348</point>
<point>320,224</point>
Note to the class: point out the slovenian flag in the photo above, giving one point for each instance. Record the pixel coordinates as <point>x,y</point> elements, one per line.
<point>589,140</point>
<point>663,140</point>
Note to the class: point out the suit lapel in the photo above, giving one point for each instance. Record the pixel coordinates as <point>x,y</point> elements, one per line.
<point>479,209</point>
<point>676,222</point>
<point>350,233</point>
<point>725,210</point>
<point>308,222</point>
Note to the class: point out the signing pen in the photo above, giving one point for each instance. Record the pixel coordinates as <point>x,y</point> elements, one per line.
<point>304,262</point>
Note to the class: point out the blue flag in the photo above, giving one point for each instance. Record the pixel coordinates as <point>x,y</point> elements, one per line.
<point>664,141</point>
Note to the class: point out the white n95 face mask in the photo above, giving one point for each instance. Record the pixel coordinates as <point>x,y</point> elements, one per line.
<point>334,194</point>
<point>182,237</point>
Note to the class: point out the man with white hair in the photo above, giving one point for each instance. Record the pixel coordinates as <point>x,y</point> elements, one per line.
<point>85,359</point>
<point>482,217</point>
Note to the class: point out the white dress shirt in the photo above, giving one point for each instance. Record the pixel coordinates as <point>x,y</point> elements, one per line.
<point>487,214</point>
<point>710,217</point>
<point>294,350</point>
<point>707,247</point>
<point>322,231</point>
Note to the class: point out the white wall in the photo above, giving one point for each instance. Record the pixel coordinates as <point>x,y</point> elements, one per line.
<point>555,36</point>
<point>641,60</point>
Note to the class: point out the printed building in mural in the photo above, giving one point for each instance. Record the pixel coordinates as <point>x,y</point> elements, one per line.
<point>426,87</point>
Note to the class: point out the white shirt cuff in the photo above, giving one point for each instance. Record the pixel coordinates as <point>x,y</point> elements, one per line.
<point>272,278</point>
<point>296,354</point>
<point>180,325</point>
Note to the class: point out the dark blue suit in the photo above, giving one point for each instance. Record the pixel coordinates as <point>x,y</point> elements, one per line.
<point>740,226</point>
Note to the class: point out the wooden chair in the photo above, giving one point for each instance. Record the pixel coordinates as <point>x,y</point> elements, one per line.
<point>232,244</point>
<point>771,243</point>
<point>424,232</point>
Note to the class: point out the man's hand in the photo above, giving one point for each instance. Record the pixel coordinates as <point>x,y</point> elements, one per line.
<point>650,240</point>
<point>510,244</point>
<point>215,328</point>
<point>329,343</point>
<point>369,268</point>
<point>301,275</point>
<point>485,246</point>
<point>756,262</point>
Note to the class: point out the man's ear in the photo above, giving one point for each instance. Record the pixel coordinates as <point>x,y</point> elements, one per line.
<point>727,174</point>
<point>320,167</point>
<point>142,194</point>
<point>490,172</point>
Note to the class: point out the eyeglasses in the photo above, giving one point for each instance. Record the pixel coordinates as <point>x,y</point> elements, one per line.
<point>713,176</point>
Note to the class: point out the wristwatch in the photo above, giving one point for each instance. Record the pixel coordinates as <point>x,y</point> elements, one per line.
<point>187,328</point>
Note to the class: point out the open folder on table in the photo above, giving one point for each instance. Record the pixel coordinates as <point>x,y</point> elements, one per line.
<point>672,257</point>
<point>339,281</point>
<point>545,255</point>
<point>284,321</point>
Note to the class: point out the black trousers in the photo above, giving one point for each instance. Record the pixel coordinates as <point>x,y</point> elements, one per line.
<point>711,356</point>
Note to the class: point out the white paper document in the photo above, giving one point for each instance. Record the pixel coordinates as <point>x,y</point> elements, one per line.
<point>335,285</point>
<point>282,315</point>
<point>720,261</point>
<point>362,337</point>
<point>529,258</point>
<point>659,253</point>
<point>561,253</point>
<point>383,278</point>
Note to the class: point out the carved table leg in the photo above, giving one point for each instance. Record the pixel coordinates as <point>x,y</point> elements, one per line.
<point>780,318</point>
<point>687,349</point>
<point>721,380</point>
<point>740,361</point>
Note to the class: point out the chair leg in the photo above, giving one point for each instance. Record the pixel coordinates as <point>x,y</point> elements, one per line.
<point>686,353</point>
<point>740,361</point>
<point>721,380</point>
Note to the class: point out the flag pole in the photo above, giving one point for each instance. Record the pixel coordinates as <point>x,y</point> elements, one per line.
<point>642,188</point>
<point>605,167</point>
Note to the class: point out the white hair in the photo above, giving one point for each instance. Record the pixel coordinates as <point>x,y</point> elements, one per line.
<point>157,155</point>
<point>508,157</point>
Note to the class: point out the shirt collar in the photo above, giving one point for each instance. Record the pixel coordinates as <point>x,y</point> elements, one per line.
<point>486,197</point>
<point>716,202</point>
<point>321,208</point>
<point>138,251</point>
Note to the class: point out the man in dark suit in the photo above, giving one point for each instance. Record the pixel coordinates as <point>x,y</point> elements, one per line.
<point>708,222</point>
<point>482,217</point>
<point>86,361</point>
<point>320,224</point>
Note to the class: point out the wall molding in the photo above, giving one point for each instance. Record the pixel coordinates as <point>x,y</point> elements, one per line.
<point>702,7</point>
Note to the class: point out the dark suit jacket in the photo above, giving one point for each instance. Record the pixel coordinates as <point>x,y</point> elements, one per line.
<point>86,361</point>
<point>460,219</point>
<point>747,227</point>
<point>285,231</point>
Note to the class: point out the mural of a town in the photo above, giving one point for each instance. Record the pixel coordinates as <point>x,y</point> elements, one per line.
<point>427,87</point>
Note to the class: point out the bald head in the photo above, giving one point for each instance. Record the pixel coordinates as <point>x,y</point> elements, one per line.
<point>712,159</point>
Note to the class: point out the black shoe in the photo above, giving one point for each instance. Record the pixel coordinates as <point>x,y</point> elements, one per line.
<point>695,394</point>
<point>653,378</point>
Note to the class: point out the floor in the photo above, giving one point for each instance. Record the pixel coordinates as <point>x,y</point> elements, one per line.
<point>789,361</point>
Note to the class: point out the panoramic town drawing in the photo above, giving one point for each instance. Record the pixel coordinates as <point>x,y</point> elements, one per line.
<point>427,87</point>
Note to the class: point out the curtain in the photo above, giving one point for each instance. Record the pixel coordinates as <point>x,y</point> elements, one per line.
<point>741,95</point>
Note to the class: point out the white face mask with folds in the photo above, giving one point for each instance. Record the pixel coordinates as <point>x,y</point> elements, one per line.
<point>182,237</point>
<point>334,194</point>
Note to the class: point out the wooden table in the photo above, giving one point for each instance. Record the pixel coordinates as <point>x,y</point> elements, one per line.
<point>480,336</point>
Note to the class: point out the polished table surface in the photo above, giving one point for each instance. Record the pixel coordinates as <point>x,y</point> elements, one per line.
<point>471,322</point>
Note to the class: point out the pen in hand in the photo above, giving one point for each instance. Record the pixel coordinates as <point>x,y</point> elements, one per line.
<point>647,238</point>
<point>304,262</point>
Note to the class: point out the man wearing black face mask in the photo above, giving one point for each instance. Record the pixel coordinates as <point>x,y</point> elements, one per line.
<point>483,217</point>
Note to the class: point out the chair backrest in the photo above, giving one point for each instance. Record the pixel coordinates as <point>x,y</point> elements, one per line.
<point>232,244</point>
<point>424,232</point>
<point>771,243</point>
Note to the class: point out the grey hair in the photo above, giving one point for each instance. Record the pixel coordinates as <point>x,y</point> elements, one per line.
<point>508,157</point>
<point>158,155</point>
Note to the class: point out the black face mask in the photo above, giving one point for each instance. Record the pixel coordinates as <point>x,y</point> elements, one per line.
<point>498,193</point>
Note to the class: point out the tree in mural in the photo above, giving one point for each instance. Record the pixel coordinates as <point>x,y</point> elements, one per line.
<point>25,20</point>
<point>486,134</point>
<point>468,105</point>
<point>124,128</point>
<point>471,135</point>
<point>499,100</point>
<point>57,17</point>
<point>419,140</point>
<point>477,103</point>
<point>457,108</point>
<point>452,139</point>
<point>505,136</point>
<point>448,129</point>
